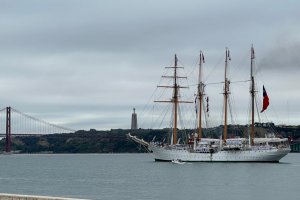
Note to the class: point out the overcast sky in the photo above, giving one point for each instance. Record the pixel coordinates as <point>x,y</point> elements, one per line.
<point>86,64</point>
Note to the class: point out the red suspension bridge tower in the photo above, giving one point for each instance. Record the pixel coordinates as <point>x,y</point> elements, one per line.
<point>8,130</point>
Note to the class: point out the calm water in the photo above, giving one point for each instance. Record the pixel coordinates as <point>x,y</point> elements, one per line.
<point>137,176</point>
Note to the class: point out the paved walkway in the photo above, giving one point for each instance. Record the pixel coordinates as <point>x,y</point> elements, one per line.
<point>30,197</point>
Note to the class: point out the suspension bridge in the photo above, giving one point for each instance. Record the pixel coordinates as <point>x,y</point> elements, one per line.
<point>17,123</point>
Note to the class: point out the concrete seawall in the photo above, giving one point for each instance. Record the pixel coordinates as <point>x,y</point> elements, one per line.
<point>30,197</point>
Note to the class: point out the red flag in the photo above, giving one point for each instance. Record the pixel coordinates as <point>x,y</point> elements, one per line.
<point>265,100</point>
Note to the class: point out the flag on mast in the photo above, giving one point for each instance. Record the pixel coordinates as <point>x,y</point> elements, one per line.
<point>265,100</point>
<point>252,53</point>
<point>228,55</point>
<point>207,106</point>
<point>196,105</point>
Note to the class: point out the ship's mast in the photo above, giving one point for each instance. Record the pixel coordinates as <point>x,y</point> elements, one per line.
<point>175,98</point>
<point>200,95</point>
<point>226,93</point>
<point>252,92</point>
<point>175,101</point>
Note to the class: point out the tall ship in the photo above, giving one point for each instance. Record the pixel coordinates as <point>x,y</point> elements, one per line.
<point>224,149</point>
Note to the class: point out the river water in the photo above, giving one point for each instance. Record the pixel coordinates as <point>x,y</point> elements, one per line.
<point>137,176</point>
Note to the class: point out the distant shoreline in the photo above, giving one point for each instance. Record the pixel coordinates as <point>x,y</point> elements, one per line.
<point>116,141</point>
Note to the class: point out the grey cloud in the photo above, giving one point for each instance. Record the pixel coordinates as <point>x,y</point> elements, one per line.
<point>283,57</point>
<point>102,58</point>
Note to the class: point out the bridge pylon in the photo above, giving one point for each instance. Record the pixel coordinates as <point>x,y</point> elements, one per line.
<point>8,130</point>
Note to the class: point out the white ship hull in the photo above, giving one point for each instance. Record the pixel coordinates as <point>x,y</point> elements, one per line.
<point>266,155</point>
